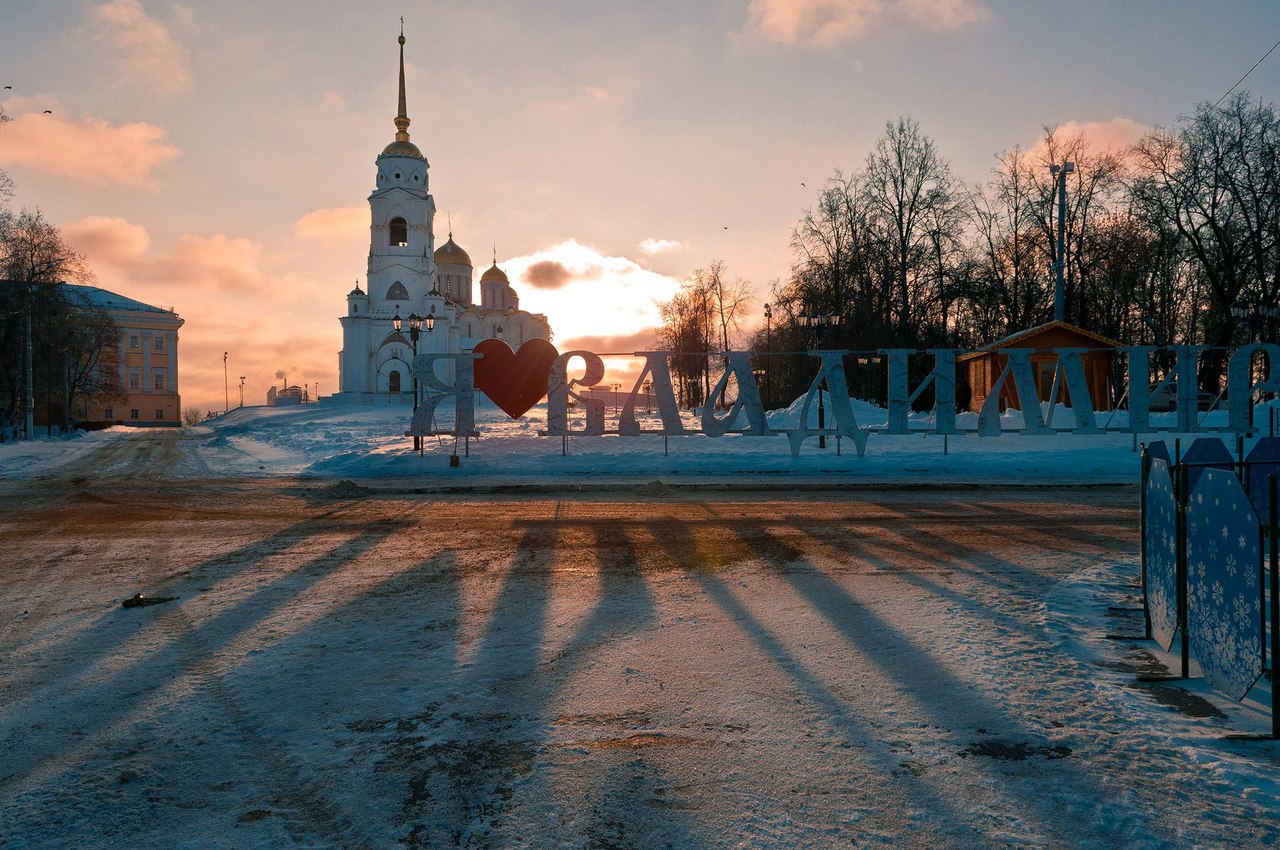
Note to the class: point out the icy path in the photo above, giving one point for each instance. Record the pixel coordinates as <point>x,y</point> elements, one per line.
<point>642,670</point>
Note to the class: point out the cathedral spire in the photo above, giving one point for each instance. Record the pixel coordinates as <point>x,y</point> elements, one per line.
<point>402,118</point>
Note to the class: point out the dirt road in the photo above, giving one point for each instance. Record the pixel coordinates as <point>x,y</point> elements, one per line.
<point>368,668</point>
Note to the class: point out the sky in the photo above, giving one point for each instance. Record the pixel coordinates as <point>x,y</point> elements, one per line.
<point>216,157</point>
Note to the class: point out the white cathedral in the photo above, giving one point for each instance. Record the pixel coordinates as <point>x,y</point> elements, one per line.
<point>410,278</point>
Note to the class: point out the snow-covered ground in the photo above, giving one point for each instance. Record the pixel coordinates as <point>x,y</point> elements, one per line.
<point>369,442</point>
<point>347,666</point>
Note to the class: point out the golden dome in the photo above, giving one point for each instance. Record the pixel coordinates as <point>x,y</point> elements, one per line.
<point>403,149</point>
<point>494,273</point>
<point>450,253</point>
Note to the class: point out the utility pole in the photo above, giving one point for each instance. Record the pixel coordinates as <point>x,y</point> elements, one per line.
<point>1060,173</point>
<point>30,401</point>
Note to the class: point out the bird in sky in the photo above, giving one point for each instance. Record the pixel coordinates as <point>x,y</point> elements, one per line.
<point>802,184</point>
<point>48,112</point>
<point>8,87</point>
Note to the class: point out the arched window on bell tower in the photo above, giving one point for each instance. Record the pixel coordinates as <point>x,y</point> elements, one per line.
<point>397,292</point>
<point>399,229</point>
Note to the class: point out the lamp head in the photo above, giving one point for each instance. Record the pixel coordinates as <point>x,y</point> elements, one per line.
<point>396,321</point>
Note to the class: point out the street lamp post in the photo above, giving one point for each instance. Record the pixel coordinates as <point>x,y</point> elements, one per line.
<point>242,390</point>
<point>768,346</point>
<point>819,323</point>
<point>226,392</point>
<point>616,387</point>
<point>648,399</point>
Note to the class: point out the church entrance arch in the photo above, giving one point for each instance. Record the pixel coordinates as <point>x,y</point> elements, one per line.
<point>393,375</point>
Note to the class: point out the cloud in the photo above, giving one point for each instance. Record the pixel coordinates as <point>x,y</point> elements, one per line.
<point>1117,133</point>
<point>340,223</point>
<point>107,240</point>
<point>547,274</point>
<point>88,149</point>
<point>590,96</point>
<point>145,49</point>
<point>597,296</point>
<point>658,246</point>
<point>233,296</point>
<point>825,23</point>
<point>645,339</point>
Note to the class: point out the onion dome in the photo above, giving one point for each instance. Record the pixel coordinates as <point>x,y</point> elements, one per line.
<point>450,253</point>
<point>494,273</point>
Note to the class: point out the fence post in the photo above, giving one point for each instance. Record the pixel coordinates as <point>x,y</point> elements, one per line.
<point>1180,500</point>
<point>1274,537</point>
<point>1145,466</point>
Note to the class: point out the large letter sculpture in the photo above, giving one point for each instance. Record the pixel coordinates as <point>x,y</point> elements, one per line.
<point>1240,386</point>
<point>738,366</point>
<point>560,388</point>
<point>462,391</point>
<point>658,368</point>
<point>943,378</point>
<point>841,409</point>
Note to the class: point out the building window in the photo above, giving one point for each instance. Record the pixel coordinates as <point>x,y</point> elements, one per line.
<point>133,413</point>
<point>159,413</point>
<point>159,378</point>
<point>134,342</point>
<point>157,343</point>
<point>109,413</point>
<point>399,232</point>
<point>397,292</point>
<point>135,379</point>
<point>393,381</point>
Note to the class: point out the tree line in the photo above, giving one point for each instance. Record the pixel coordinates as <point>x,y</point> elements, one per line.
<point>1174,240</point>
<point>56,348</point>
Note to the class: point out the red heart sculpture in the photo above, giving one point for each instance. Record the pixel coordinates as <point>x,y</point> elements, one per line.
<point>514,381</point>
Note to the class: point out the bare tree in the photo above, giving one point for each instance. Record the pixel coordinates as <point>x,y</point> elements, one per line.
<point>34,261</point>
<point>1215,180</point>
<point>909,188</point>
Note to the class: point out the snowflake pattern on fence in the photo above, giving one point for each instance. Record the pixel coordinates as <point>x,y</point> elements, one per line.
<point>1161,545</point>
<point>1224,609</point>
<point>1204,454</point>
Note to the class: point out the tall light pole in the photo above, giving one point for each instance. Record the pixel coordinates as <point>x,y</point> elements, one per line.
<point>768,346</point>
<point>226,391</point>
<point>1060,173</point>
<point>242,390</point>
<point>819,323</point>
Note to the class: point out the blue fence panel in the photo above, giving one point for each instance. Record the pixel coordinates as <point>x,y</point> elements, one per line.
<point>1162,546</point>
<point>1159,450</point>
<point>1206,453</point>
<point>1262,462</point>
<point>1223,604</point>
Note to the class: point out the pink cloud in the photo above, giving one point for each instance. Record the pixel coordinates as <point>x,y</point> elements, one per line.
<point>108,240</point>
<point>825,23</point>
<point>144,46</point>
<point>1117,133</point>
<point>233,298</point>
<point>342,223</point>
<point>88,149</point>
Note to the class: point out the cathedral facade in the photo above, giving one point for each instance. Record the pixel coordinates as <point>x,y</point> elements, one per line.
<point>408,276</point>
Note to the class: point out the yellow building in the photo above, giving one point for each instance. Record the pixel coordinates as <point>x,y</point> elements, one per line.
<point>146,357</point>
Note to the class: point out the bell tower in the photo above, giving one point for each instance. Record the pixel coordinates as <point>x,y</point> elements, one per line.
<point>402,217</point>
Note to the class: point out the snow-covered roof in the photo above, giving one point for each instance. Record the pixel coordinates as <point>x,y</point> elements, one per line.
<point>112,301</point>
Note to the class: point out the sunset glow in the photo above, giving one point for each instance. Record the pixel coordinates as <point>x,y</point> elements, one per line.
<point>216,159</point>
